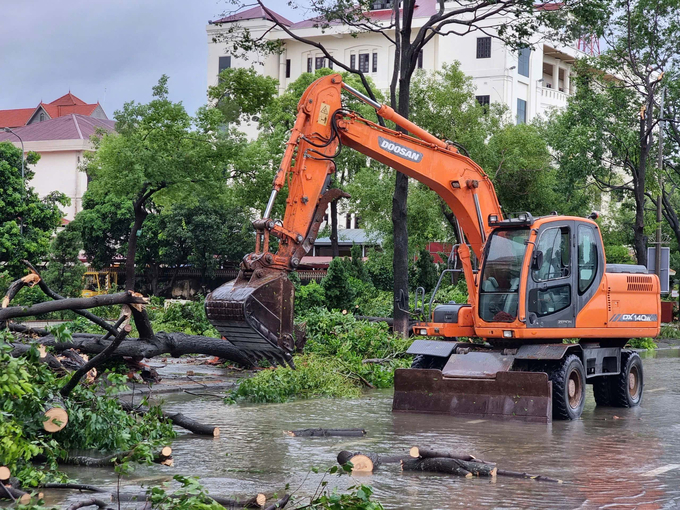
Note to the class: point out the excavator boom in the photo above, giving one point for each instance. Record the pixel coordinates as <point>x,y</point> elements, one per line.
<point>255,311</point>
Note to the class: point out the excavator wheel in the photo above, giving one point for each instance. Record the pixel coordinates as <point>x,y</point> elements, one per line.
<point>568,388</point>
<point>423,361</point>
<point>628,385</point>
<point>602,390</point>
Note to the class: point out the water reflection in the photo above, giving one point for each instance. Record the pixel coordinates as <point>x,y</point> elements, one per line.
<point>603,458</point>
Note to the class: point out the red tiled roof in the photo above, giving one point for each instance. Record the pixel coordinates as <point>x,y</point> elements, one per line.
<point>15,118</point>
<point>68,127</point>
<point>256,12</point>
<point>549,6</point>
<point>68,99</point>
<point>64,105</point>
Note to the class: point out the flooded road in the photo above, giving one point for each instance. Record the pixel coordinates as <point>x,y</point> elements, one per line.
<point>611,458</point>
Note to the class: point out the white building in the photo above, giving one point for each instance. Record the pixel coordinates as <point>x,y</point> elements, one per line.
<point>61,143</point>
<point>529,83</point>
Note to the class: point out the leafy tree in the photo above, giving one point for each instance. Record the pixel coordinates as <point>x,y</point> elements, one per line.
<point>409,38</point>
<point>426,271</point>
<point>64,272</point>
<point>241,93</point>
<point>159,154</point>
<point>520,166</point>
<point>607,131</point>
<point>337,289</point>
<point>20,205</point>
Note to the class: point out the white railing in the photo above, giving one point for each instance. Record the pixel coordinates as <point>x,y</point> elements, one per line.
<point>552,97</point>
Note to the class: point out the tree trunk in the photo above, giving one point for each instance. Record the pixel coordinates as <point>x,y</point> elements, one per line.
<point>177,419</point>
<point>516,474</point>
<point>55,416</point>
<point>140,216</point>
<point>326,432</point>
<point>448,466</point>
<point>174,344</point>
<point>335,249</point>
<point>425,453</point>
<point>399,224</point>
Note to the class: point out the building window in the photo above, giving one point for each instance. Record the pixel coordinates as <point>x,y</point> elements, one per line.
<point>523,62</point>
<point>287,68</point>
<point>309,64</point>
<point>375,63</point>
<point>484,101</point>
<point>225,63</point>
<point>484,47</point>
<point>42,116</point>
<point>319,62</point>
<point>380,5</point>
<point>363,62</point>
<point>357,221</point>
<point>348,221</point>
<point>352,61</point>
<point>521,111</point>
<point>330,64</point>
<point>420,59</point>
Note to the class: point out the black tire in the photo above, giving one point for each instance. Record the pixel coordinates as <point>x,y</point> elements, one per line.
<point>423,361</point>
<point>602,390</point>
<point>627,387</point>
<point>568,388</point>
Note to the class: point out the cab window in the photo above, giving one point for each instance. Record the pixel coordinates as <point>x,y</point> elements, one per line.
<point>554,245</point>
<point>587,257</point>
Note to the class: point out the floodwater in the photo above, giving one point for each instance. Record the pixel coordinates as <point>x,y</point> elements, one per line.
<point>611,458</point>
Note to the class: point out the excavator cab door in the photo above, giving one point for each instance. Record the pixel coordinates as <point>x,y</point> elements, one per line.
<point>567,264</point>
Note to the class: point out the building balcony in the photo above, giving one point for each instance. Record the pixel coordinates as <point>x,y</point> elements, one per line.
<point>552,98</point>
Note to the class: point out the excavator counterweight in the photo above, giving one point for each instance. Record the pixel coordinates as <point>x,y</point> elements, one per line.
<point>540,280</point>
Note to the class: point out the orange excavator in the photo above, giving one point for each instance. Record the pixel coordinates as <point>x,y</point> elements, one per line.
<point>541,281</point>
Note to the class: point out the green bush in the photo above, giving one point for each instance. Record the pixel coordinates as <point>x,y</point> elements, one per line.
<point>642,343</point>
<point>669,331</point>
<point>379,267</point>
<point>309,296</point>
<point>617,254</point>
<point>333,364</point>
<point>186,318</point>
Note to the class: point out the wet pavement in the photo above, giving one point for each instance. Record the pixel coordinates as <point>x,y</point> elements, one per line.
<point>611,458</point>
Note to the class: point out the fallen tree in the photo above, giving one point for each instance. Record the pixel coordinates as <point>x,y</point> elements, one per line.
<point>366,462</point>
<point>326,432</point>
<point>177,419</point>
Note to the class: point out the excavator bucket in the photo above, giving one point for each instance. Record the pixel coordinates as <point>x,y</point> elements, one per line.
<point>475,385</point>
<point>256,314</point>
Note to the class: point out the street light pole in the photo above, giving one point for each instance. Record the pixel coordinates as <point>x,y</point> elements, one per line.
<point>23,184</point>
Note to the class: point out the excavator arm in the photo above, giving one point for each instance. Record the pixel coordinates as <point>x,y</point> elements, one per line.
<point>255,311</point>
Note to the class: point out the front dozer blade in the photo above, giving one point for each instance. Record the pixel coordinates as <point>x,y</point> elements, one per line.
<point>505,395</point>
<point>256,315</point>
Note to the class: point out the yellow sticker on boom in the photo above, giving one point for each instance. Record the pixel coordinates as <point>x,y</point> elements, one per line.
<point>323,114</point>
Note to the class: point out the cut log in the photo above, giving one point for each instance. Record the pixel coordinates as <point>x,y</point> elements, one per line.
<point>517,474</point>
<point>257,501</point>
<point>177,419</point>
<point>111,460</point>
<point>12,494</point>
<point>364,462</point>
<point>325,432</point>
<point>425,453</point>
<point>55,415</point>
<point>72,486</point>
<point>50,360</point>
<point>174,344</point>
<point>345,456</point>
<point>441,465</point>
<point>5,474</point>
<point>280,503</point>
<point>89,502</point>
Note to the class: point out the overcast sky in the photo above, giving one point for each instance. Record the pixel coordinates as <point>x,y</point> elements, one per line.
<point>111,51</point>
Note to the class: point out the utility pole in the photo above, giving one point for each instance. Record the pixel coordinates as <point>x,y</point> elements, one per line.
<point>659,200</point>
